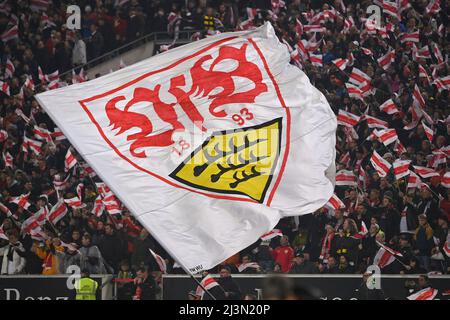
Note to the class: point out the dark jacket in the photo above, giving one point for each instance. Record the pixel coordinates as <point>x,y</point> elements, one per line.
<point>148,289</point>
<point>230,286</point>
<point>307,267</point>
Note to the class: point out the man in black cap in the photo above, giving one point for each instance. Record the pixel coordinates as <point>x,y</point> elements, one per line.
<point>302,265</point>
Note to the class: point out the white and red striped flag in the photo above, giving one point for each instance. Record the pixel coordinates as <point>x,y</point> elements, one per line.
<point>271,234</point>
<point>3,135</point>
<point>208,283</point>
<point>75,203</point>
<point>298,27</point>
<point>60,184</point>
<point>112,205</point>
<point>425,172</point>
<point>446,180</point>
<point>428,132</point>
<point>41,215</point>
<point>10,34</point>
<point>401,168</point>
<point>417,96</point>
<point>316,60</point>
<point>346,178</point>
<point>7,159</point>
<point>29,84</point>
<point>42,134</point>
<point>385,255</point>
<point>335,203</point>
<point>347,119</point>
<point>30,225</point>
<point>389,107</point>
<point>341,64</point>
<point>314,28</point>
<point>386,60</point>
<point>433,7</point>
<point>9,68</point>
<point>34,145</point>
<point>58,211</point>
<point>21,201</point>
<point>423,73</point>
<point>69,161</point>
<point>58,135</point>
<point>381,165</point>
<point>4,87</point>
<point>424,294</point>
<point>390,8</point>
<point>354,91</point>
<point>386,136</point>
<point>160,261</point>
<point>358,77</point>
<point>410,37</point>
<point>41,75</point>
<point>98,207</point>
<point>373,122</point>
<point>413,181</point>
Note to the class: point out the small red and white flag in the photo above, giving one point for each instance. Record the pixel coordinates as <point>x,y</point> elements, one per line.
<point>386,136</point>
<point>385,256</point>
<point>242,266</point>
<point>29,84</point>
<point>423,73</point>
<point>41,75</point>
<point>75,203</point>
<point>316,60</point>
<point>21,201</point>
<point>410,37</point>
<point>30,225</point>
<point>208,283</point>
<point>10,34</point>
<point>386,60</point>
<point>433,7</point>
<point>446,180</point>
<point>34,145</point>
<point>428,132</point>
<point>112,206</point>
<point>347,119</point>
<point>160,261</point>
<point>413,181</point>
<point>341,64</point>
<point>390,8</point>
<point>58,135</point>
<point>425,172</point>
<point>335,203</point>
<point>7,159</point>
<point>381,165</point>
<point>42,134</point>
<point>389,107</point>
<point>359,78</point>
<point>373,122</point>
<point>2,233</point>
<point>354,91</point>
<point>4,87</point>
<point>271,234</point>
<point>60,184</point>
<point>9,69</point>
<point>346,178</point>
<point>70,161</point>
<point>98,207</point>
<point>417,96</point>
<point>3,135</point>
<point>401,168</point>
<point>41,215</point>
<point>447,248</point>
<point>424,294</point>
<point>314,28</point>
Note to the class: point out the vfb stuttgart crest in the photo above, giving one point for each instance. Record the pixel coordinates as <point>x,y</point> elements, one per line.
<point>226,92</point>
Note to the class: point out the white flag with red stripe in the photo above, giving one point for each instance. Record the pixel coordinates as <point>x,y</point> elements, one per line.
<point>98,206</point>
<point>381,165</point>
<point>425,172</point>
<point>428,132</point>
<point>410,37</point>
<point>401,168</point>
<point>75,203</point>
<point>21,201</point>
<point>386,136</point>
<point>341,64</point>
<point>335,203</point>
<point>9,69</point>
<point>347,119</point>
<point>359,78</point>
<point>34,145</point>
<point>160,261</point>
<point>424,294</point>
<point>389,107</point>
<point>346,178</point>
<point>446,180</point>
<point>271,234</point>
<point>373,122</point>
<point>10,34</point>
<point>385,255</point>
<point>69,161</point>
<point>7,159</point>
<point>413,181</point>
<point>58,211</point>
<point>386,60</point>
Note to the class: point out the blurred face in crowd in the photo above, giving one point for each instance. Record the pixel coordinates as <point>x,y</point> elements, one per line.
<point>360,209</point>
<point>422,221</point>
<point>246,259</point>
<point>109,230</point>
<point>86,241</point>
<point>299,260</point>
<point>224,273</point>
<point>331,262</point>
<point>75,235</point>
<point>100,226</point>
<point>143,234</point>
<point>422,282</point>
<point>380,237</point>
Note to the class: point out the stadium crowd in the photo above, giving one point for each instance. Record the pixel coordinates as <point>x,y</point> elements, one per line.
<point>404,213</point>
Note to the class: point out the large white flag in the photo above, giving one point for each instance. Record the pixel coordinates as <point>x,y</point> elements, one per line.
<point>208,144</point>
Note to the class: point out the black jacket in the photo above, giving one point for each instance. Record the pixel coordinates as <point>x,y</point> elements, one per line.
<point>230,286</point>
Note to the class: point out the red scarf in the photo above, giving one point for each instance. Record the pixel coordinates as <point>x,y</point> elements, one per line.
<point>326,246</point>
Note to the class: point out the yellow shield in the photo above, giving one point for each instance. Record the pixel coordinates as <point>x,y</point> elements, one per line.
<point>239,161</point>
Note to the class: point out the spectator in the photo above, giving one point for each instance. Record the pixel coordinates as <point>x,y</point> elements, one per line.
<point>231,289</point>
<point>424,242</point>
<point>79,56</point>
<point>91,257</point>
<point>96,42</point>
<point>145,286</point>
<point>283,254</point>
<point>12,260</point>
<point>112,247</point>
<point>301,265</point>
